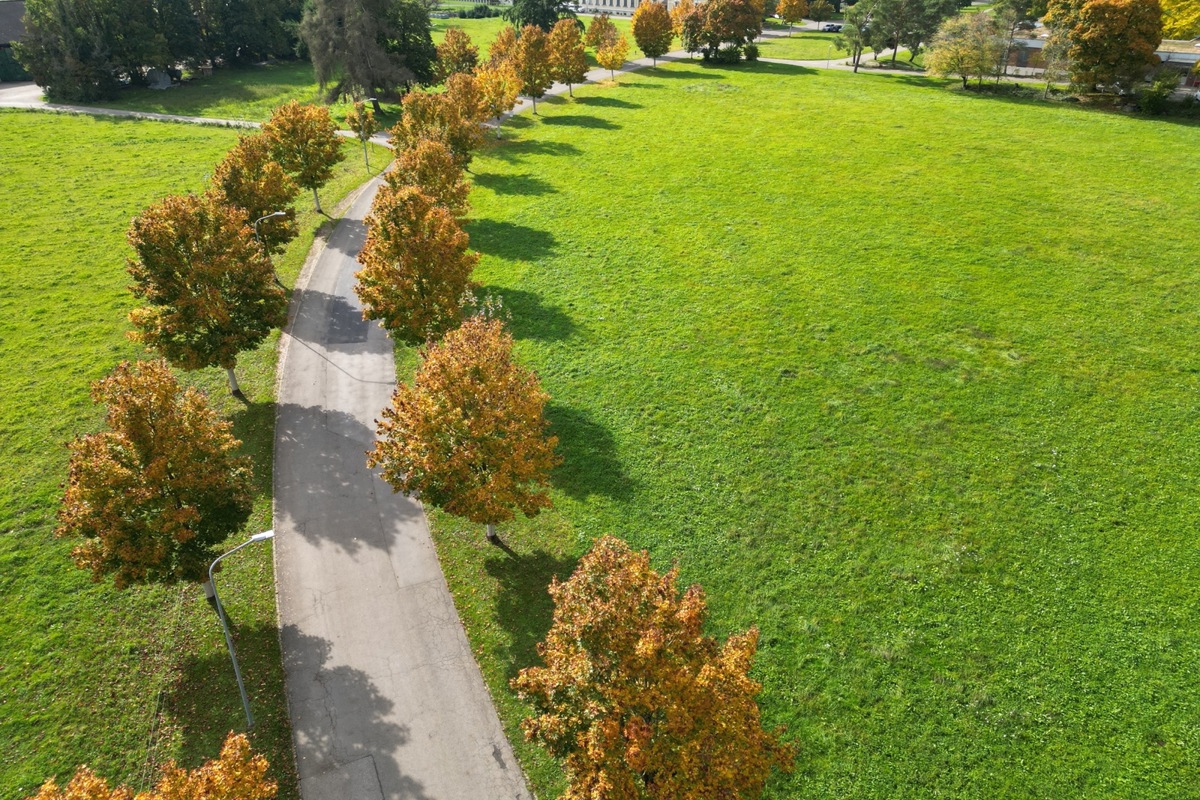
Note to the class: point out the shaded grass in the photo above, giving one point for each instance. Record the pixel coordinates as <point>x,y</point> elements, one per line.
<point>89,674</point>
<point>801,46</point>
<point>903,376</point>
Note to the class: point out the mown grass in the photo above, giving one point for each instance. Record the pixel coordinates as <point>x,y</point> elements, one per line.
<point>801,46</point>
<point>904,376</point>
<point>89,674</point>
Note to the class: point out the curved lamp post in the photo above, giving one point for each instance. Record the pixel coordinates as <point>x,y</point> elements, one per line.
<point>272,215</point>
<point>237,673</point>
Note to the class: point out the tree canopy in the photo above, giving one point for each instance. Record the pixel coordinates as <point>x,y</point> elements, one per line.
<point>456,53</point>
<point>636,699</point>
<point>1112,42</point>
<point>249,178</point>
<point>542,13</point>
<point>153,495</point>
<point>652,29</point>
<point>469,433</point>
<point>210,289</point>
<point>429,166</point>
<point>304,141</point>
<point>568,59</point>
<point>966,45</point>
<point>531,58</point>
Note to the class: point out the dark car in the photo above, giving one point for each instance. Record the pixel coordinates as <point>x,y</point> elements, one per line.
<point>831,27</point>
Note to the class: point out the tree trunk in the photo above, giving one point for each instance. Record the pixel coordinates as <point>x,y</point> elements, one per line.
<point>895,52</point>
<point>857,56</point>
<point>571,89</point>
<point>233,384</point>
<point>317,201</point>
<point>366,156</point>
<point>534,99</point>
<point>964,80</point>
<point>498,120</point>
<point>375,104</point>
<point>492,536</point>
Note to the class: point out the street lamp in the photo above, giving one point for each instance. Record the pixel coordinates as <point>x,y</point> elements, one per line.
<point>272,215</point>
<point>258,537</point>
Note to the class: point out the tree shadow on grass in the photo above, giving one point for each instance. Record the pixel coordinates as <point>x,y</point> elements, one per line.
<point>582,121</point>
<point>607,102</point>
<point>510,241</point>
<point>523,604</point>
<point>526,185</point>
<point>254,426</point>
<point>513,151</point>
<point>530,318</point>
<point>589,452</point>
<point>689,74</point>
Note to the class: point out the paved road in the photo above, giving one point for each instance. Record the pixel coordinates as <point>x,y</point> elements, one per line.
<point>385,697</point>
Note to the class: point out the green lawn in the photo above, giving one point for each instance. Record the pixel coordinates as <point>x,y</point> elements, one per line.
<point>801,46</point>
<point>904,376</point>
<point>89,674</point>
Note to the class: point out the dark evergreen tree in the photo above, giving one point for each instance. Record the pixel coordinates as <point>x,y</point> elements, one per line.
<point>368,47</point>
<point>543,13</point>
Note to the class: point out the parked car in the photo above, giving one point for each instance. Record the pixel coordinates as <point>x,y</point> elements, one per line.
<point>831,27</point>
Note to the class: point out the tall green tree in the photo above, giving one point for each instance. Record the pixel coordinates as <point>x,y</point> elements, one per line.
<point>368,47</point>
<point>855,35</point>
<point>542,13</point>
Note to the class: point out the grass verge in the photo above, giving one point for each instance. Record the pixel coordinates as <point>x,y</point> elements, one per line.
<point>88,674</point>
<point>904,376</point>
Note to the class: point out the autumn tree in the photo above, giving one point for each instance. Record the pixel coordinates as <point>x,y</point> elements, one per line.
<point>503,47</point>
<point>239,774</point>
<point>819,11</point>
<point>431,167</point>
<point>1113,42</point>
<point>210,290</point>
<point>456,53</point>
<point>720,29</point>
<point>568,59</point>
<point>652,29</point>
<point>532,62</point>
<point>454,117</point>
<point>304,141</point>
<point>153,495</point>
<point>361,120</point>
<point>967,45</point>
<point>416,266</point>
<point>499,88</point>
<point>1181,19</point>
<point>469,434</point>
<point>636,699</point>
<point>612,55</point>
<point>600,32</point>
<point>791,12</point>
<point>249,178</point>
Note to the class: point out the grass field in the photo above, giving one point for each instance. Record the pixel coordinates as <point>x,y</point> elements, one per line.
<point>119,680</point>
<point>904,376</point>
<point>801,46</point>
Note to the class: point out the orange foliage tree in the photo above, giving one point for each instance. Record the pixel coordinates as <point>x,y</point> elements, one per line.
<point>416,266</point>
<point>469,434</point>
<point>532,61</point>
<point>238,774</point>
<point>568,59</point>
<point>600,32</point>
<point>155,493</point>
<point>304,141</point>
<point>499,87</point>
<point>791,12</point>
<point>456,53</point>
<point>1113,42</point>
<point>249,178</point>
<point>503,46</point>
<point>636,698</point>
<point>652,29</point>
<point>361,120</point>
<point>211,290</point>
<point>430,167</point>
<point>454,117</point>
<point>612,55</point>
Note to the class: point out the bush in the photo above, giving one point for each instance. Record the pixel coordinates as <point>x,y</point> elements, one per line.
<point>1157,98</point>
<point>727,54</point>
<point>751,52</point>
<point>479,12</point>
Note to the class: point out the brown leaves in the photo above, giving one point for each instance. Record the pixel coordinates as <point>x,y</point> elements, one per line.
<point>238,774</point>
<point>456,53</point>
<point>636,699</point>
<point>568,59</point>
<point>469,434</point>
<point>454,118</point>
<point>416,267</point>
<point>210,288</point>
<point>304,141</point>
<point>531,58</point>
<point>153,495</point>
<point>430,166</point>
<point>250,179</point>
<point>652,28</point>
<point>499,86</point>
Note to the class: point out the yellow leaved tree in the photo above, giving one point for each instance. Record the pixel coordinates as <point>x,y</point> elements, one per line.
<point>568,59</point>
<point>636,699</point>
<point>304,141</point>
<point>612,55</point>
<point>431,167</point>
<point>469,433</point>
<point>652,29</point>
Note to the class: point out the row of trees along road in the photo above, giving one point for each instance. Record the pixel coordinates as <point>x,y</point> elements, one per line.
<point>1102,45</point>
<point>662,711</point>
<point>81,50</point>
